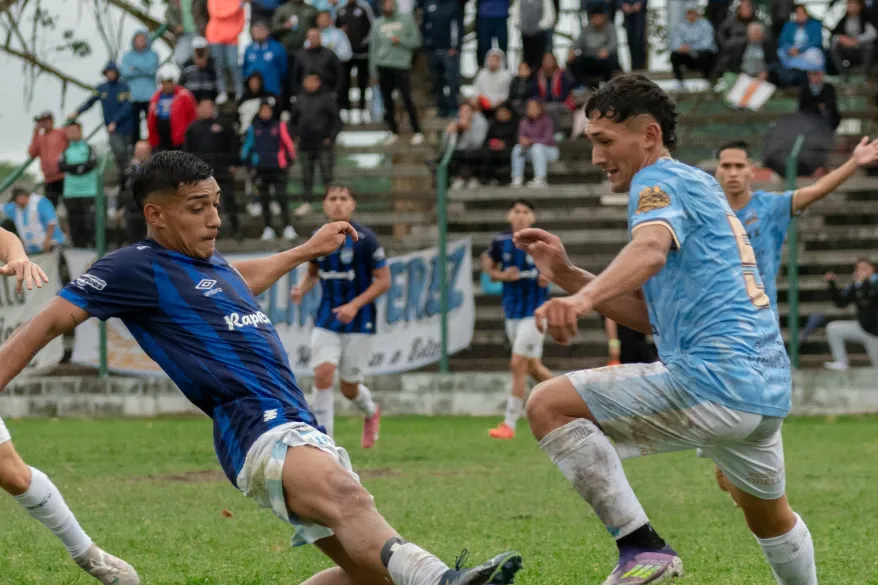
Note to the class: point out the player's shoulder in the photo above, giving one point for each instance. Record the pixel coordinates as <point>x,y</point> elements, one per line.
<point>363,231</point>
<point>142,252</point>
<point>504,236</point>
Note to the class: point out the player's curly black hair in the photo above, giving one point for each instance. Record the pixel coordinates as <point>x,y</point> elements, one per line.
<point>632,95</point>
<point>165,172</point>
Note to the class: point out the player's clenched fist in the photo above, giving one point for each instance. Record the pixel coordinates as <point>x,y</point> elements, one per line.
<point>296,295</point>
<point>559,317</point>
<point>546,249</point>
<point>25,273</point>
<point>329,238</point>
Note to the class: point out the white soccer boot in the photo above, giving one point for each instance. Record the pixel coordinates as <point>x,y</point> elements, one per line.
<point>107,569</point>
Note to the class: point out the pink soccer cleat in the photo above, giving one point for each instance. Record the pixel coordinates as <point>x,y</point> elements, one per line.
<point>370,429</point>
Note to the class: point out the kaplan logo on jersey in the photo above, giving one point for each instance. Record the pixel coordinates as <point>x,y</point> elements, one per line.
<point>90,280</point>
<point>237,321</point>
<point>337,274</point>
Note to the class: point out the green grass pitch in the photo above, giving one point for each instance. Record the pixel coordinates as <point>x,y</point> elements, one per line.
<point>135,487</point>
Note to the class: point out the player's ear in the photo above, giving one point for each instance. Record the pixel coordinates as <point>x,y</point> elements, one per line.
<point>153,215</point>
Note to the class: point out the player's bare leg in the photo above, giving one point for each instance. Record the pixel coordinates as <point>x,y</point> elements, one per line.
<point>322,400</point>
<point>360,395</point>
<point>568,433</point>
<point>318,489</point>
<point>538,371</point>
<point>36,493</point>
<point>518,366</point>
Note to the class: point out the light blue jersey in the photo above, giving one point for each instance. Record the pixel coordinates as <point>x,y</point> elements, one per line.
<point>766,217</point>
<point>710,316</point>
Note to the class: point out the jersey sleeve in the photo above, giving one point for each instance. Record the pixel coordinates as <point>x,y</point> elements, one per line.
<point>655,200</point>
<point>782,209</point>
<point>375,255</point>
<point>116,285</point>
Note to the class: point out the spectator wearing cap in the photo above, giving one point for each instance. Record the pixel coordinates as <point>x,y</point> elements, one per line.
<point>594,54</point>
<point>35,221</point>
<point>853,40</point>
<point>187,19</point>
<point>492,81</point>
<point>268,58</point>
<point>635,30</point>
<point>171,110</point>
<point>333,38</point>
<point>139,68</point>
<point>800,47</point>
<point>79,163</point>
<point>223,28</point>
<point>199,72</point>
<point>315,58</point>
<point>355,20</point>
<point>443,31</point>
<point>693,45</point>
<point>115,98</point>
<point>48,144</point>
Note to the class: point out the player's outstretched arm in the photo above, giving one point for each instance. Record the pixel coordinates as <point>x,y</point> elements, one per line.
<point>865,153</point>
<point>57,318</point>
<point>14,262</point>
<point>260,274</point>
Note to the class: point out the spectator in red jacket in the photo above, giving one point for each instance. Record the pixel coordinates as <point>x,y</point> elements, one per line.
<point>48,144</point>
<point>171,110</point>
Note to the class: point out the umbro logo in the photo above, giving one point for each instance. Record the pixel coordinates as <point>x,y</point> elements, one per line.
<point>269,415</point>
<point>205,284</point>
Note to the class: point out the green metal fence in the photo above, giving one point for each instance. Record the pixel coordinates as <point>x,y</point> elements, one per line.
<point>442,221</point>
<point>101,245</point>
<point>793,258</point>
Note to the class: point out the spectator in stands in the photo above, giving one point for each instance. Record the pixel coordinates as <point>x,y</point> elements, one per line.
<point>268,58</point>
<point>492,82</point>
<point>497,152</point>
<point>692,45</point>
<point>536,143</point>
<point>553,88</point>
<point>442,26</point>
<point>800,47</point>
<point>139,68</point>
<point>869,11</point>
<point>263,10</point>
<point>492,24</point>
<point>635,31</point>
<point>395,38</point>
<point>781,10</point>
<point>594,54</point>
<point>756,57</point>
<point>199,74</point>
<point>819,98</point>
<point>290,26</point>
<point>251,101</point>
<point>853,40</point>
<point>732,32</point>
<point>214,142</point>
<point>863,292</point>
<point>717,12</point>
<point>536,19</point>
<point>187,19</point>
<point>79,164</point>
<point>334,38</point>
<point>355,20</point>
<point>135,224</point>
<point>225,25</point>
<point>47,144</point>
<point>315,58</point>
<point>35,221</point>
<point>470,130</point>
<point>268,151</point>
<point>171,110</point>
<point>315,125</point>
<point>522,88</point>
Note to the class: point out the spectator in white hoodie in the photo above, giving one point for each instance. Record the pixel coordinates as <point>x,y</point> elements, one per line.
<point>492,82</point>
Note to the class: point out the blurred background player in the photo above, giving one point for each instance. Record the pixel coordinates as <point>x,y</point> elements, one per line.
<point>30,487</point>
<point>523,291</point>
<point>863,292</point>
<point>351,278</point>
<point>627,346</point>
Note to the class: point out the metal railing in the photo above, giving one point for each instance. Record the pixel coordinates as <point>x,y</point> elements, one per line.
<point>793,258</point>
<point>442,224</point>
<point>101,245</point>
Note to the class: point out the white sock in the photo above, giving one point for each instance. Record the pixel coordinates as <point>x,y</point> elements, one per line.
<point>43,501</point>
<point>588,460</point>
<point>514,406</point>
<point>364,401</point>
<point>324,408</point>
<point>412,565</point>
<point>791,556</point>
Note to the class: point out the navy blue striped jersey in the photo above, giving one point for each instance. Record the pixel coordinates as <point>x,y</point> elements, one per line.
<point>523,296</point>
<point>199,321</point>
<point>346,274</point>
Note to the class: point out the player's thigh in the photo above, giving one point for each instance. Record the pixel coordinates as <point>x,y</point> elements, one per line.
<point>528,340</point>
<point>326,347</point>
<point>356,350</point>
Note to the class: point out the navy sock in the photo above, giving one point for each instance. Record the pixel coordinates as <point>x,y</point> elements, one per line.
<point>644,537</point>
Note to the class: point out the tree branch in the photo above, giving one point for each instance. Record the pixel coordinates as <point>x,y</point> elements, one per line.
<point>46,68</point>
<point>145,18</point>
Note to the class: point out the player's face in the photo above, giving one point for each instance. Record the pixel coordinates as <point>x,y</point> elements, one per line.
<point>338,205</point>
<point>521,217</point>
<point>620,149</point>
<point>863,271</point>
<point>189,221</point>
<point>734,171</point>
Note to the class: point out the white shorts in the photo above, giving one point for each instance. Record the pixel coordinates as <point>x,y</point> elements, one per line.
<point>349,352</point>
<point>261,478</point>
<point>525,338</point>
<point>645,409</point>
<point>4,433</point>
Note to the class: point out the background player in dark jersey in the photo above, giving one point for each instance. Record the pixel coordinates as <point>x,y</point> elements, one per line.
<point>30,487</point>
<point>523,291</point>
<point>198,317</point>
<point>351,278</point>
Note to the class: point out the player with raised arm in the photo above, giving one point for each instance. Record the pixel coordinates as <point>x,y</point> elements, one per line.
<point>351,278</point>
<point>723,383</point>
<point>197,316</point>
<point>30,487</point>
<point>523,291</point>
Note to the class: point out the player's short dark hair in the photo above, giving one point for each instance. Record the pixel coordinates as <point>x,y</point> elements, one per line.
<point>866,260</point>
<point>19,191</point>
<point>736,145</point>
<point>526,202</point>
<point>339,186</point>
<point>165,172</point>
<point>633,95</point>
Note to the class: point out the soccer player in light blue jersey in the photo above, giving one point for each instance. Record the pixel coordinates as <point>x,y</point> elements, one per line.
<point>723,384</point>
<point>198,317</point>
<point>766,216</point>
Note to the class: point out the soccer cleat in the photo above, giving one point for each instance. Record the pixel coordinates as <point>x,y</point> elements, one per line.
<point>500,570</point>
<point>639,566</point>
<point>268,234</point>
<point>370,429</point>
<point>107,569</point>
<point>417,139</point>
<point>290,233</point>
<point>516,182</point>
<point>836,366</point>
<point>502,431</point>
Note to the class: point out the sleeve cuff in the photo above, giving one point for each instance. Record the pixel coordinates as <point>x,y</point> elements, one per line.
<point>665,224</point>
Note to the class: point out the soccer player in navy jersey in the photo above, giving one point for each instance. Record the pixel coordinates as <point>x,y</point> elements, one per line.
<point>30,487</point>
<point>523,291</point>
<point>197,316</point>
<point>351,278</point>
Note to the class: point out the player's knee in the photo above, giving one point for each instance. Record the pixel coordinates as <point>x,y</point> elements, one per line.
<point>518,364</point>
<point>324,375</point>
<point>541,411</point>
<point>349,389</point>
<point>15,475</point>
